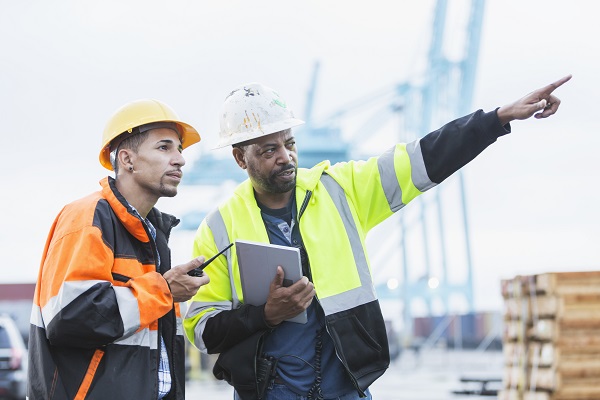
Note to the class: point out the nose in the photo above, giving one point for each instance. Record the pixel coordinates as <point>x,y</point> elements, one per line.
<point>178,160</point>
<point>285,156</point>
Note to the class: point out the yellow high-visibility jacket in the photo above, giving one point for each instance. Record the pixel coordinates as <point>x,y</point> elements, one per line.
<point>337,206</point>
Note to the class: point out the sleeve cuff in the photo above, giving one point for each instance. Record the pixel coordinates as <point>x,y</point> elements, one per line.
<point>502,129</point>
<point>256,317</point>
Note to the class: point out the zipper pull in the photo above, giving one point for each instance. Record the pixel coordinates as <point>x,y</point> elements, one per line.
<point>304,203</point>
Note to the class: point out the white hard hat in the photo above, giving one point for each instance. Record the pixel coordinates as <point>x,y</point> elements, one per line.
<point>253,110</point>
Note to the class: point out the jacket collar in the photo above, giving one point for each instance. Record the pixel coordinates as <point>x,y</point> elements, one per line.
<point>117,202</point>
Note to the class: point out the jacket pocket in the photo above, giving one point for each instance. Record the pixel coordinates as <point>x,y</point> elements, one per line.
<point>362,350</point>
<point>237,366</point>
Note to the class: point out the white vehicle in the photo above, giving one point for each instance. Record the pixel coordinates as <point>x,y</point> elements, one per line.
<point>13,360</point>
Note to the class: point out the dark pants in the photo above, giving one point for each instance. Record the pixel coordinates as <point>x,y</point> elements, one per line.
<point>281,392</point>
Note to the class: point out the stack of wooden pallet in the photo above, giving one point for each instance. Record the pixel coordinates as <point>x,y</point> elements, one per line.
<point>551,338</point>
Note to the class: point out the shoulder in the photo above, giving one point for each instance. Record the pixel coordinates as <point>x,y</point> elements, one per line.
<point>80,214</point>
<point>82,211</point>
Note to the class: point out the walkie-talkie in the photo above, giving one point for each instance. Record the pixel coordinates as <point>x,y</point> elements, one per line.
<point>198,271</point>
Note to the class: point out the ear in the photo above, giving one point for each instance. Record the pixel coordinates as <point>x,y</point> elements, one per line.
<point>125,159</point>
<point>239,156</point>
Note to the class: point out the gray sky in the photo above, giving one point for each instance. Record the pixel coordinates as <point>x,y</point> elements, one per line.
<point>65,66</point>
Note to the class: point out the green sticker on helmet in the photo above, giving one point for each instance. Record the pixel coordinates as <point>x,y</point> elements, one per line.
<point>280,103</point>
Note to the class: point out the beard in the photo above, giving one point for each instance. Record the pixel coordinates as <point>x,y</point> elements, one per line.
<point>269,182</point>
<point>167,190</point>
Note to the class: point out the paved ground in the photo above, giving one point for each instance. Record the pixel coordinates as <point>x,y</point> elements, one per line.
<point>431,376</point>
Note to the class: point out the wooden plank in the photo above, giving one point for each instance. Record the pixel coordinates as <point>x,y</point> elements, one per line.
<point>566,307</point>
<point>517,309</point>
<point>511,394</point>
<point>515,377</point>
<point>544,330</point>
<point>567,283</point>
<point>537,396</point>
<point>515,331</point>
<point>545,306</point>
<point>558,381</point>
<point>579,391</point>
<point>582,394</point>
<point>514,353</point>
<point>545,378</point>
<point>578,341</point>
<point>566,358</point>
<point>511,288</point>
<point>541,354</point>
<point>557,331</point>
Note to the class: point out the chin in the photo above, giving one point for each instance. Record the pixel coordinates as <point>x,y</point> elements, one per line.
<point>168,192</point>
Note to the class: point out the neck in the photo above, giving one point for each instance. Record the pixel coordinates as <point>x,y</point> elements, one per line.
<point>273,200</point>
<point>136,196</point>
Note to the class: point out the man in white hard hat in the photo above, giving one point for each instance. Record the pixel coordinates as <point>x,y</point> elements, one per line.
<point>106,321</point>
<point>326,212</point>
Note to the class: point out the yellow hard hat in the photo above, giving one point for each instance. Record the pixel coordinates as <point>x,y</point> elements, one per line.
<point>138,113</point>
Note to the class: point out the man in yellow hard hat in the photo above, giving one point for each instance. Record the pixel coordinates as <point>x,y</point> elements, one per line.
<point>106,320</point>
<point>326,212</point>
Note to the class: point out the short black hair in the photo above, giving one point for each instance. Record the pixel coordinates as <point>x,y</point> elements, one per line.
<point>132,141</point>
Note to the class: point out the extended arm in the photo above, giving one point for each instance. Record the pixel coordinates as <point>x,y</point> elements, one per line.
<point>407,170</point>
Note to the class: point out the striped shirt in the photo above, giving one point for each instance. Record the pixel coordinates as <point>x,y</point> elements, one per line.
<point>164,371</point>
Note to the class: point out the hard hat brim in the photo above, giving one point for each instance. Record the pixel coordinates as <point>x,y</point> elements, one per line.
<point>269,129</point>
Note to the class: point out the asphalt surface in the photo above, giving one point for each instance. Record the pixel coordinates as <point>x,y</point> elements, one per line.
<point>432,375</point>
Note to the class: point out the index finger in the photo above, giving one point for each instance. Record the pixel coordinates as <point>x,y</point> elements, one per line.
<point>300,285</point>
<point>555,85</point>
<point>193,264</point>
<point>194,267</point>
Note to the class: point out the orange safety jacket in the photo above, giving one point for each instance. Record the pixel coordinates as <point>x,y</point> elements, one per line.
<point>101,303</point>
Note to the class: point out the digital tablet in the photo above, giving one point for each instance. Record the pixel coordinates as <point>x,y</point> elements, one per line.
<point>258,266</point>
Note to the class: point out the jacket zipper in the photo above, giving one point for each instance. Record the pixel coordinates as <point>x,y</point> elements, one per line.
<point>335,343</point>
<point>304,204</point>
<point>154,247</point>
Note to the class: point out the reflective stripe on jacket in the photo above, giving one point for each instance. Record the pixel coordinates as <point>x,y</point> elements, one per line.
<point>100,302</point>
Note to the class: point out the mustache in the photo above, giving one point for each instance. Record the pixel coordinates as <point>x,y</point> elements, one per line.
<point>283,169</point>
